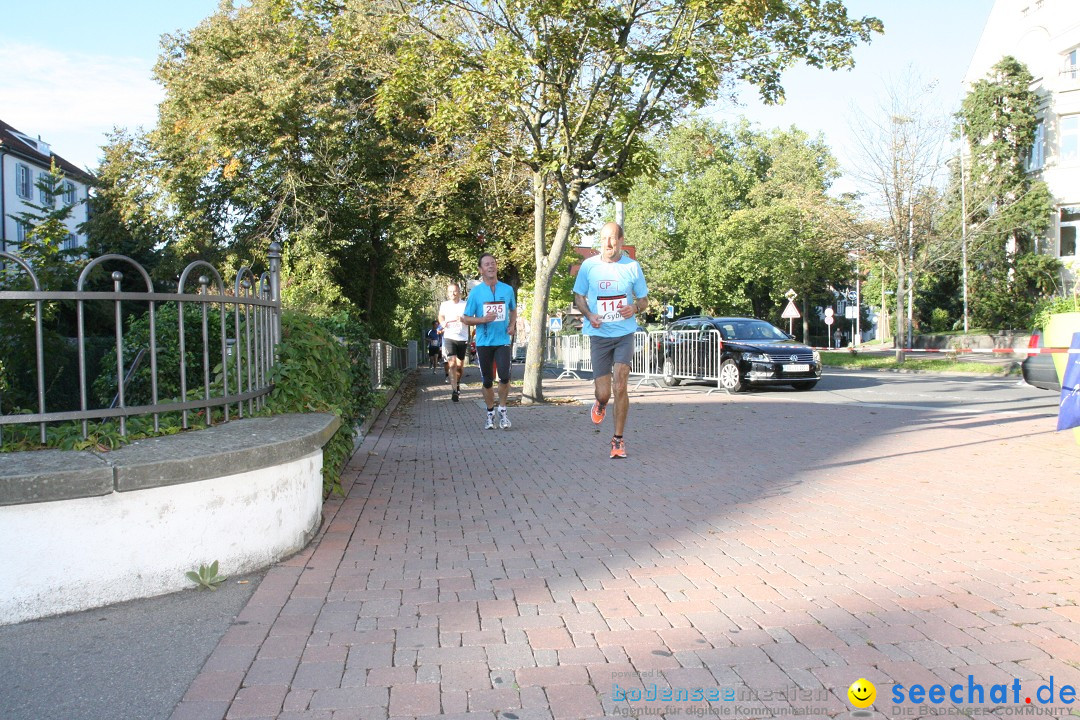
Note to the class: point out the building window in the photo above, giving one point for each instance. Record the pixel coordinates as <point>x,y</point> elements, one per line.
<point>1070,137</point>
<point>46,190</point>
<point>22,181</point>
<point>1037,157</point>
<point>69,191</point>
<point>1070,70</point>
<point>1070,221</point>
<point>71,242</point>
<point>21,231</point>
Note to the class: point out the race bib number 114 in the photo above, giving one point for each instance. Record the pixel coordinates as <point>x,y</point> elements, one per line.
<point>608,307</point>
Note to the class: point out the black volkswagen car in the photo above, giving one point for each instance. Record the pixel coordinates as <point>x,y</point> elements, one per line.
<point>1038,369</point>
<point>737,352</point>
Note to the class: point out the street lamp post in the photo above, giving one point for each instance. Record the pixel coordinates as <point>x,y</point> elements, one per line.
<point>963,227</point>
<point>857,332</point>
<point>858,302</point>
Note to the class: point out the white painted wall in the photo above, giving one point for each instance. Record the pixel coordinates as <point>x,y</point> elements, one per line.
<point>70,555</point>
<point>1040,33</point>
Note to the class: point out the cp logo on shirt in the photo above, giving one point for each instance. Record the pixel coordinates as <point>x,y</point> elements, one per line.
<point>605,284</point>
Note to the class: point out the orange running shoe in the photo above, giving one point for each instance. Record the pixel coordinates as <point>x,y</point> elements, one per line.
<point>618,448</point>
<point>598,412</point>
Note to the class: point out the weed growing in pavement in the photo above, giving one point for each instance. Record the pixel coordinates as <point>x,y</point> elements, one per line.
<point>207,577</point>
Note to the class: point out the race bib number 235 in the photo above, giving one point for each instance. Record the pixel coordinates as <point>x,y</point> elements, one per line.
<point>499,308</point>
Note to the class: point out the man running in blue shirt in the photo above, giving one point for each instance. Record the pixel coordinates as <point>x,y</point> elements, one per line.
<point>492,309</point>
<point>609,290</point>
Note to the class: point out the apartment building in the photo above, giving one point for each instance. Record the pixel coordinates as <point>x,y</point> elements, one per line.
<point>24,160</point>
<point>1045,36</point>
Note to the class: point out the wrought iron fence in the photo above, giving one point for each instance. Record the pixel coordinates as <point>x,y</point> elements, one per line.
<point>386,357</point>
<point>230,368</point>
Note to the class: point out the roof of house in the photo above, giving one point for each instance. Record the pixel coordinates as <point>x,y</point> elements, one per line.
<point>19,143</point>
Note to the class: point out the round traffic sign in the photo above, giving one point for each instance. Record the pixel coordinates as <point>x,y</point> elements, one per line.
<point>829,319</point>
<point>828,312</point>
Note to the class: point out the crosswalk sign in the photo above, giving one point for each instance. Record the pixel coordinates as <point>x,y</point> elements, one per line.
<point>555,324</point>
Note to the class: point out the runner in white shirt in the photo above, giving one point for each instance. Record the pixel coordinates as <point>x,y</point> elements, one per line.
<point>455,335</point>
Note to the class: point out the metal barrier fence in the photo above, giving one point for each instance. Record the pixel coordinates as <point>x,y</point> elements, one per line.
<point>669,355</point>
<point>247,315</point>
<point>386,357</point>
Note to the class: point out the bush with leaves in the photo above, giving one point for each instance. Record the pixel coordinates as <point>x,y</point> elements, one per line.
<point>1054,306</point>
<point>137,336</point>
<point>347,327</point>
<point>939,320</point>
<point>313,373</point>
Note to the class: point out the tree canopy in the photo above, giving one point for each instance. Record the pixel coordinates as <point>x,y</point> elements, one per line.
<point>736,216</point>
<point>1009,208</point>
<point>572,90</point>
<point>268,131</point>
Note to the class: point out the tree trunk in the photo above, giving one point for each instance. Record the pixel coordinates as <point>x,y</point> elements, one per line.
<point>546,263</point>
<point>806,321</point>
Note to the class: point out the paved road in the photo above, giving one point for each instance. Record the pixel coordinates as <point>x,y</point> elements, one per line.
<point>916,391</point>
<point>776,545</point>
<point>759,544</point>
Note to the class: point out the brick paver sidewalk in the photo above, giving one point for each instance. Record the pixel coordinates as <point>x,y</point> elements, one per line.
<point>767,551</point>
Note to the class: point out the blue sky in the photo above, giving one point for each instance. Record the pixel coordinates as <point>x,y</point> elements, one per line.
<point>70,71</point>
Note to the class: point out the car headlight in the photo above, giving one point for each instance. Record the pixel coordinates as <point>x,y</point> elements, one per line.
<point>817,357</point>
<point>758,357</point>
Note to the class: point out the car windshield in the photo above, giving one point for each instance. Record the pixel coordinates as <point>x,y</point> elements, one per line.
<point>751,330</point>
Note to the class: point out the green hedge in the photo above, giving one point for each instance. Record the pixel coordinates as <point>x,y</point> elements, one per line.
<point>322,366</point>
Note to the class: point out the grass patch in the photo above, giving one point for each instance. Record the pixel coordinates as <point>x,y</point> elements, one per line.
<point>887,361</point>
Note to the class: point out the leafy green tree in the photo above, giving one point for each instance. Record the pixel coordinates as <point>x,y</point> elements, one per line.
<point>735,217</point>
<point>126,214</point>
<point>1008,208</point>
<point>46,226</point>
<point>571,90</point>
<point>269,131</point>
<point>56,268</point>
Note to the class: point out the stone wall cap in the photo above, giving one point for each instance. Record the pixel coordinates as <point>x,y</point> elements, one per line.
<point>45,475</point>
<point>230,448</point>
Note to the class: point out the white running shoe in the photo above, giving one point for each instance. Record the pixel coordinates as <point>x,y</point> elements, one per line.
<point>490,422</point>
<point>504,422</point>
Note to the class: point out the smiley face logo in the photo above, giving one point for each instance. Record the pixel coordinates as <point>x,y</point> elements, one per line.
<point>862,693</point>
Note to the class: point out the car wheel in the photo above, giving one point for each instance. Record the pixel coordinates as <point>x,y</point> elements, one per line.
<point>804,385</point>
<point>729,378</point>
<point>669,373</point>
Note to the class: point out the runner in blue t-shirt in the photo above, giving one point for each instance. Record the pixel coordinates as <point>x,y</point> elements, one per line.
<point>609,291</point>
<point>492,308</point>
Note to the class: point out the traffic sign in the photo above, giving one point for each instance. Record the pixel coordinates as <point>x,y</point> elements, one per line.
<point>555,324</point>
<point>790,312</point>
<point>851,312</point>
<point>829,319</point>
<point>791,294</point>
<point>670,309</point>
<point>828,312</point>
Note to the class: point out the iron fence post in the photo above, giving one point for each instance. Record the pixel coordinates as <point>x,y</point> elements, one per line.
<point>275,289</point>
